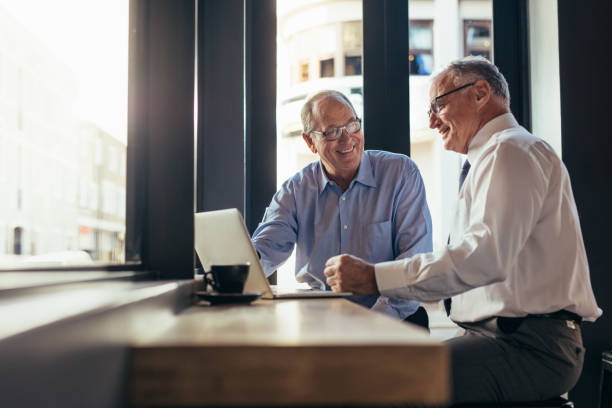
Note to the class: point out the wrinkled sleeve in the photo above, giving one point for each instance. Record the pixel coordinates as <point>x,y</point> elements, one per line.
<point>508,189</point>
<point>412,230</point>
<point>412,220</point>
<point>276,235</point>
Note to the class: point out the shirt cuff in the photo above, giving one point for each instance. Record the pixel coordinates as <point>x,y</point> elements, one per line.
<point>390,276</point>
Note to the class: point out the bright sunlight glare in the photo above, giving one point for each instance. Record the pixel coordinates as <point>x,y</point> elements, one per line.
<point>91,38</point>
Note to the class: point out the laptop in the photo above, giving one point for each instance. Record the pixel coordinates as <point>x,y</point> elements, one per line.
<point>222,238</point>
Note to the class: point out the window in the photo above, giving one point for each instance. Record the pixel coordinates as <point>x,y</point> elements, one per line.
<point>352,46</point>
<point>352,65</point>
<point>420,42</point>
<point>304,72</point>
<point>56,168</point>
<point>334,44</point>
<point>17,236</point>
<point>326,68</point>
<point>64,100</point>
<point>477,38</point>
<point>439,168</point>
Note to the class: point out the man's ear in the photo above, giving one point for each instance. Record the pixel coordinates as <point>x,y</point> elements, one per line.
<point>309,142</point>
<point>482,91</point>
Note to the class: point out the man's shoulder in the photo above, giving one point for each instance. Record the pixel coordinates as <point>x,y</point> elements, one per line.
<point>384,158</point>
<point>519,138</point>
<point>516,136</point>
<point>307,176</point>
<point>389,162</point>
<point>516,145</point>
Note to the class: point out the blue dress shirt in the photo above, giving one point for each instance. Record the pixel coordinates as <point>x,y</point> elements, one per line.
<point>382,216</point>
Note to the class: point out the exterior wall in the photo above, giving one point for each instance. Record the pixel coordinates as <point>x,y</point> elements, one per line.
<point>36,127</point>
<point>101,220</point>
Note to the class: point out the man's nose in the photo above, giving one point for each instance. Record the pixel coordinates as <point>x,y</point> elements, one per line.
<point>434,121</point>
<point>343,132</point>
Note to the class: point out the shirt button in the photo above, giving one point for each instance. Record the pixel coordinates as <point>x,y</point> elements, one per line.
<point>346,226</point>
<point>343,198</point>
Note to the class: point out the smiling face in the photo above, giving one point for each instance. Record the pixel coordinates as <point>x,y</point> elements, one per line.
<point>340,157</point>
<point>458,117</point>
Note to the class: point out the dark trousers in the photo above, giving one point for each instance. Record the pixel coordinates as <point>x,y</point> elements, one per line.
<point>541,358</point>
<point>420,318</point>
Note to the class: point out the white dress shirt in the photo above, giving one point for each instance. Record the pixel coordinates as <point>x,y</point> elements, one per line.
<point>515,246</point>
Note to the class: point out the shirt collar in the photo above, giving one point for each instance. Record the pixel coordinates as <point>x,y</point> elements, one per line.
<point>365,174</point>
<point>495,125</point>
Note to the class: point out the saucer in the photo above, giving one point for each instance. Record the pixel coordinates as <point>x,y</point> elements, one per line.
<point>228,298</point>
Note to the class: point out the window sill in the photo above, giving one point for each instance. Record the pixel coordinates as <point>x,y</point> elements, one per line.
<point>34,301</point>
<point>24,280</point>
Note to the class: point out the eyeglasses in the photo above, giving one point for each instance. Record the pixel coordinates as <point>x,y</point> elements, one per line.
<point>435,108</point>
<point>334,133</point>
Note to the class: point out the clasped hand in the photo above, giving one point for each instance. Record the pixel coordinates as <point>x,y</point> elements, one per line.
<point>347,273</point>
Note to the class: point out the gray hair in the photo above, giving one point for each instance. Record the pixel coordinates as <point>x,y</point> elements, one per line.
<point>307,110</point>
<point>473,68</point>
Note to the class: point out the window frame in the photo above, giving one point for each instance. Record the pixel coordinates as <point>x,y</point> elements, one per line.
<point>159,232</point>
<point>511,54</point>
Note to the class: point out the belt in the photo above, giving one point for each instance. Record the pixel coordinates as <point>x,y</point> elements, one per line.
<point>509,325</point>
<point>560,315</point>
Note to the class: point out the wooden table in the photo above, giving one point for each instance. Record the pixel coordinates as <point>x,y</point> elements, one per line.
<point>288,352</point>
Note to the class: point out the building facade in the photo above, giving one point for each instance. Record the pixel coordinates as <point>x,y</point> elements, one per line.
<point>48,157</point>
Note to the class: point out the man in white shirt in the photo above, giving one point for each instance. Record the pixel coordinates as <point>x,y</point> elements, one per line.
<point>515,265</point>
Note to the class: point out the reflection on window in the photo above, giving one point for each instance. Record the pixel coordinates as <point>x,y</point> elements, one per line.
<point>477,37</point>
<point>420,42</point>
<point>63,116</point>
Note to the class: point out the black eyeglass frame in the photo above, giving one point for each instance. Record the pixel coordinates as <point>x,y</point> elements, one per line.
<point>337,131</point>
<point>433,106</point>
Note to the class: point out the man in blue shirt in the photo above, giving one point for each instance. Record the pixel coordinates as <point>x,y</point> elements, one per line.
<point>369,204</point>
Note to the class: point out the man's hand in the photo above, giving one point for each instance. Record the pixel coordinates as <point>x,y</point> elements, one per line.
<point>346,273</point>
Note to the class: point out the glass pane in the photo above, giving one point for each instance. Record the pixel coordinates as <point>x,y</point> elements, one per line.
<point>326,37</point>
<point>434,26</point>
<point>432,32</point>
<point>63,112</point>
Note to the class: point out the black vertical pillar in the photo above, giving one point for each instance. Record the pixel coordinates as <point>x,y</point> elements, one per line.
<point>260,108</point>
<point>586,147</point>
<point>160,137</point>
<point>386,75</point>
<point>511,54</point>
<point>220,147</point>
